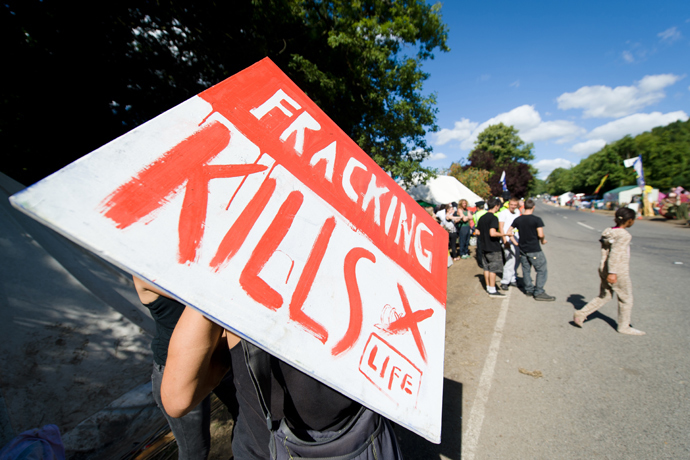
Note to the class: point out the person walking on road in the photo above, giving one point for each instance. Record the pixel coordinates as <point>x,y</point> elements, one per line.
<point>531,232</point>
<point>614,271</point>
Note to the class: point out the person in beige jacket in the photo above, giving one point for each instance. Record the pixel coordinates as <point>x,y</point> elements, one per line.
<point>614,271</point>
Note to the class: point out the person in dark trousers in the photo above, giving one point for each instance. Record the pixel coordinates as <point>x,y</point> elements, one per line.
<point>193,431</point>
<point>475,218</point>
<point>492,256</point>
<point>531,231</point>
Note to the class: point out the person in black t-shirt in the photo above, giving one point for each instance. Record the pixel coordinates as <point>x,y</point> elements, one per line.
<point>531,231</point>
<point>492,253</point>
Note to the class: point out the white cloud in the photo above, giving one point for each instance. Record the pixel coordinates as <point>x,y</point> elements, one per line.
<point>635,124</point>
<point>461,131</point>
<point>436,156</point>
<point>515,84</point>
<point>669,35</point>
<point>628,56</point>
<point>528,122</point>
<point>484,77</point>
<point>545,167</point>
<point>606,102</point>
<point>563,129</point>
<point>588,147</point>
<point>525,119</point>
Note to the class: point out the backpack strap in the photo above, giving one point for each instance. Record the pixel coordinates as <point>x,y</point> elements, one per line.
<point>259,367</point>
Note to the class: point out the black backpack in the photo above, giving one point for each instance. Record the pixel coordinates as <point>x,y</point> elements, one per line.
<point>366,436</point>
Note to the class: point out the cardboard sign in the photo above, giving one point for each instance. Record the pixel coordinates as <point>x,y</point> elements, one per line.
<point>249,204</point>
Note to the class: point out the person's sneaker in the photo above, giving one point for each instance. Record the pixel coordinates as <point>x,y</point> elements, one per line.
<point>496,295</point>
<point>513,283</point>
<point>466,256</point>
<point>504,287</point>
<point>544,297</point>
<point>529,293</point>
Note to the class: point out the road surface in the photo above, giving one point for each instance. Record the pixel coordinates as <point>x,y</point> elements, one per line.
<point>522,382</point>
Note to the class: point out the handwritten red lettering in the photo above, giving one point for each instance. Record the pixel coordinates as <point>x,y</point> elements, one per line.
<point>356,314</point>
<point>398,378</point>
<point>281,121</point>
<point>154,184</point>
<point>306,281</point>
<point>234,238</point>
<point>250,281</point>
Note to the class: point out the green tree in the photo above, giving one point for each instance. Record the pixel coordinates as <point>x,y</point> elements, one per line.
<point>474,179</point>
<point>559,181</point>
<point>360,61</point>
<point>504,144</point>
<point>665,152</point>
<point>537,187</point>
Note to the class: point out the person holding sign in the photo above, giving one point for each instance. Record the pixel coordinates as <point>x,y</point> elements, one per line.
<point>300,409</point>
<point>192,432</point>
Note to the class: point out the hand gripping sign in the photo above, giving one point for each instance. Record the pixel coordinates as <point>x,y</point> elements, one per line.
<point>249,204</point>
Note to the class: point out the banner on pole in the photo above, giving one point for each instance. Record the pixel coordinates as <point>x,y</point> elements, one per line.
<point>249,204</point>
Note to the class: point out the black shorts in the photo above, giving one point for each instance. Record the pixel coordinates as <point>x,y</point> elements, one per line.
<point>492,261</point>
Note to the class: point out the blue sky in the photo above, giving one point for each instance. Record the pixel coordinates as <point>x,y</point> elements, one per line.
<point>569,75</point>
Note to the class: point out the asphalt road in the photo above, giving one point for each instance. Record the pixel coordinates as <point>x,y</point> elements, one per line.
<point>522,382</point>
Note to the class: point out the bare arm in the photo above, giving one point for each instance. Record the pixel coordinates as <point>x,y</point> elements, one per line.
<point>495,233</point>
<point>147,292</point>
<point>540,234</point>
<point>500,229</point>
<point>512,235</point>
<point>198,359</point>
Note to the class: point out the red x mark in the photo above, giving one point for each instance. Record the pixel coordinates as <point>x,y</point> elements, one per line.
<point>409,321</point>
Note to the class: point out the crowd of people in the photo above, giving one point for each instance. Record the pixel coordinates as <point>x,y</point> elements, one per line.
<point>508,235</point>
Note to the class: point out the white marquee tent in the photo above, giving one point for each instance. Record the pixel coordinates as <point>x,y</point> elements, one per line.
<point>443,190</point>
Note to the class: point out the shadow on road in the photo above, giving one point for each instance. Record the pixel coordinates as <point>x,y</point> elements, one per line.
<point>578,301</point>
<point>415,447</point>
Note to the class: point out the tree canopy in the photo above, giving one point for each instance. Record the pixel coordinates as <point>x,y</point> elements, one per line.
<point>81,80</point>
<point>665,155</point>
<point>474,179</point>
<point>499,148</point>
<point>504,144</point>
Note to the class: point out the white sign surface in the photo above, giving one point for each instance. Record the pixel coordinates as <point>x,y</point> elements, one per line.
<point>249,204</point>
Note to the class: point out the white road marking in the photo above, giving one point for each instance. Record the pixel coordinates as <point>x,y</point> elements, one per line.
<point>474,425</point>
<point>585,225</point>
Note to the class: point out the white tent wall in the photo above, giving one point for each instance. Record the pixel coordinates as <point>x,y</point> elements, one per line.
<point>443,190</point>
<point>627,195</point>
<point>563,199</point>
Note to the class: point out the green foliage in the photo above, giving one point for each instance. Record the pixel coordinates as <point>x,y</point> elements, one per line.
<point>359,60</point>
<point>504,144</point>
<point>499,148</point>
<point>536,187</point>
<point>665,157</point>
<point>474,179</point>
<point>559,181</point>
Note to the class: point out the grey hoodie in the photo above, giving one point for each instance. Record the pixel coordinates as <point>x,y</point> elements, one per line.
<point>615,251</point>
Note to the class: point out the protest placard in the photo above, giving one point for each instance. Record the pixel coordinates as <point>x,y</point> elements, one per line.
<point>249,204</point>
